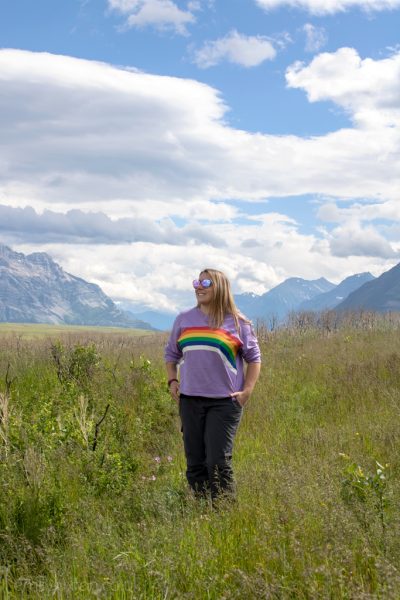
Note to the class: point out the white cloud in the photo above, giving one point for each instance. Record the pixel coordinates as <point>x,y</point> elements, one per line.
<point>247,51</point>
<point>77,131</point>
<point>123,6</point>
<point>161,14</point>
<point>353,240</point>
<point>369,90</point>
<point>194,5</point>
<point>316,37</point>
<point>77,226</point>
<point>319,7</point>
<point>371,211</point>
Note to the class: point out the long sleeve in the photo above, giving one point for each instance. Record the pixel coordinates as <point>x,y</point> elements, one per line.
<point>250,349</point>
<point>172,352</point>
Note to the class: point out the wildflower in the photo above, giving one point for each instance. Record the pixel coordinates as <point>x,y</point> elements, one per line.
<point>157,459</point>
<point>169,459</point>
<point>152,478</point>
<point>343,455</point>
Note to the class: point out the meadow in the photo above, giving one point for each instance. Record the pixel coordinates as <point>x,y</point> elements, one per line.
<point>93,498</point>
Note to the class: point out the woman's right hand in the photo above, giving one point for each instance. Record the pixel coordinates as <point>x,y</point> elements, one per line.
<point>174,390</point>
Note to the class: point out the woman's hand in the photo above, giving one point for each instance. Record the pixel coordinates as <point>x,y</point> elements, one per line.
<point>252,374</point>
<point>242,397</point>
<point>174,390</point>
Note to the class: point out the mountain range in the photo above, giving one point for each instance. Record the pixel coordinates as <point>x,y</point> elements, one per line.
<point>332,298</point>
<point>296,294</point>
<point>35,289</point>
<point>282,299</point>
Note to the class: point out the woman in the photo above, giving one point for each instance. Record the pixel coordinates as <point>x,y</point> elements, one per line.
<point>209,344</point>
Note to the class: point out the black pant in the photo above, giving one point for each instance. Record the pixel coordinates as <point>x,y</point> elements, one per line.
<point>209,426</point>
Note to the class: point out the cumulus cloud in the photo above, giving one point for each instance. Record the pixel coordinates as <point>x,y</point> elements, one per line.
<point>321,7</point>
<point>251,243</point>
<point>353,240</point>
<point>161,14</point>
<point>369,90</point>
<point>330,212</point>
<point>86,129</point>
<point>247,51</point>
<point>77,226</point>
<point>316,37</point>
<point>77,131</point>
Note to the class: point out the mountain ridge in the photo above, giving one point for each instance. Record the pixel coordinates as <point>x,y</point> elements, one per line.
<point>35,289</point>
<point>331,299</point>
<point>280,300</point>
<point>381,294</point>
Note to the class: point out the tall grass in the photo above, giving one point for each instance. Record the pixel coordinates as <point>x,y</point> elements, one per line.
<point>93,499</point>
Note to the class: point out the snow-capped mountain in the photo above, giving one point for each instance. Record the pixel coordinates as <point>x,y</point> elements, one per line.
<point>282,299</point>
<point>331,299</point>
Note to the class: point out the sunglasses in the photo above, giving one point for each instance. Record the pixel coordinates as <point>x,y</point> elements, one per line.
<point>204,283</point>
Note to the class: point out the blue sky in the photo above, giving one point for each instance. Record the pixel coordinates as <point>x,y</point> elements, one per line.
<point>144,139</point>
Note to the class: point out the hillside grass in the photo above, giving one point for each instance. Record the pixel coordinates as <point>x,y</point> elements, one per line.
<point>93,498</point>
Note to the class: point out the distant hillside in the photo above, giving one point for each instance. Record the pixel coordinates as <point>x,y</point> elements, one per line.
<point>330,299</point>
<point>35,289</point>
<point>382,294</point>
<point>159,320</point>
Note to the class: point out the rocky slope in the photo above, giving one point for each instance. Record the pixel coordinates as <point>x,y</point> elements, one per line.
<point>381,295</point>
<point>35,289</point>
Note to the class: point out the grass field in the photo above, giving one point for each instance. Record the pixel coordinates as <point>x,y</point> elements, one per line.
<point>93,499</point>
<point>34,330</point>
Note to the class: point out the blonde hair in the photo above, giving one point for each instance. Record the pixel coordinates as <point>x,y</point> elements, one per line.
<point>223,302</point>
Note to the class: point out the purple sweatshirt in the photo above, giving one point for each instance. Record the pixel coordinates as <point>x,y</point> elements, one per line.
<point>210,360</point>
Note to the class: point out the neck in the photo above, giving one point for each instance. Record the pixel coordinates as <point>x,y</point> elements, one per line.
<point>205,309</point>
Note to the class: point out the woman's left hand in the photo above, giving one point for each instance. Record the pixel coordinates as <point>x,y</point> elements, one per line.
<point>241,397</point>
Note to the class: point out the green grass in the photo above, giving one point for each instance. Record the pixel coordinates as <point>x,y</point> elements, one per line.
<point>34,330</point>
<point>314,517</point>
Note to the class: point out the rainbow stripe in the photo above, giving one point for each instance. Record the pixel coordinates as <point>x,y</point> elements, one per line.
<point>214,340</point>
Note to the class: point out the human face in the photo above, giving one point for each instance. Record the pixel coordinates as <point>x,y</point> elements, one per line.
<point>204,295</point>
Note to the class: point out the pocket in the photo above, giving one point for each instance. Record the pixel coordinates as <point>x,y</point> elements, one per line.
<point>237,404</point>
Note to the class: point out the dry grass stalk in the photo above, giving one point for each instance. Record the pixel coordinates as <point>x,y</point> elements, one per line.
<point>85,424</point>
<point>34,468</point>
<point>4,421</point>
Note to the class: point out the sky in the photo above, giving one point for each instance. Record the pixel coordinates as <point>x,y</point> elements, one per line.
<point>144,140</point>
